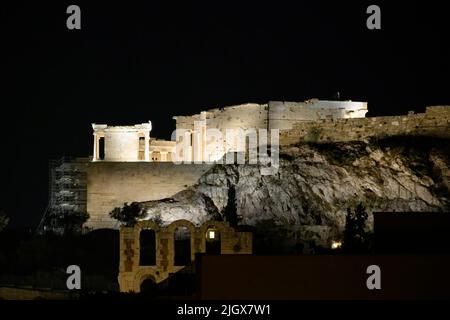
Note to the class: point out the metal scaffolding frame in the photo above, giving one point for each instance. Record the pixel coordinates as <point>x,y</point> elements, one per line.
<point>67,191</point>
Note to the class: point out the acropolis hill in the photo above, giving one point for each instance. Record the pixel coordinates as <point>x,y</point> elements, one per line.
<point>331,156</point>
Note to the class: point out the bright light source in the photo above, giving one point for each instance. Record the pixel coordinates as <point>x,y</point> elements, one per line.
<point>336,244</point>
<point>212,234</point>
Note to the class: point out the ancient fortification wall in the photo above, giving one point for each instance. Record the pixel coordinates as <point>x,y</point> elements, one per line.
<point>283,115</point>
<point>250,115</point>
<point>434,122</point>
<point>111,184</point>
<point>274,115</point>
<point>244,116</point>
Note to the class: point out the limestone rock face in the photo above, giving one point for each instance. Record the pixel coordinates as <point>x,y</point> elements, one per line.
<point>315,185</point>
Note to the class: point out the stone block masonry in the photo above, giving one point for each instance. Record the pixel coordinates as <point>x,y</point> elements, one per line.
<point>282,115</point>
<point>434,122</point>
<point>110,184</point>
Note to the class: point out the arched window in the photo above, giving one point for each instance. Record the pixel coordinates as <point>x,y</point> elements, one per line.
<point>147,241</point>
<point>182,246</point>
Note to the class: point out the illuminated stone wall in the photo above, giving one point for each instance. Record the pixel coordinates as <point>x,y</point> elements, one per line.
<point>434,122</point>
<point>283,115</point>
<point>275,115</point>
<point>245,116</point>
<point>250,115</point>
<point>121,146</point>
<point>122,143</point>
<point>111,184</point>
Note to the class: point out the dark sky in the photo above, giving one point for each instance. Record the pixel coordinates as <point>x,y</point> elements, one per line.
<point>134,62</point>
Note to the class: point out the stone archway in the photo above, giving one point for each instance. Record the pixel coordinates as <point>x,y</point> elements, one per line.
<point>147,247</point>
<point>144,275</point>
<point>182,242</point>
<point>153,237</point>
<point>148,286</point>
<point>182,246</point>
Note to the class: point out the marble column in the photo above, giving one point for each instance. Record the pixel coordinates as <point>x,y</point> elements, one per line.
<point>95,154</point>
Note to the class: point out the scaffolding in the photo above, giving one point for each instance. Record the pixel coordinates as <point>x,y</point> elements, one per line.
<point>67,192</point>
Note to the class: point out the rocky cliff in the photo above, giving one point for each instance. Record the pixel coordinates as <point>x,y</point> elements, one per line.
<point>315,185</point>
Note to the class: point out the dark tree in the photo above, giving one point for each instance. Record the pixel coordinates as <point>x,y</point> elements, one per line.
<point>4,220</point>
<point>355,235</point>
<point>230,211</point>
<point>129,214</point>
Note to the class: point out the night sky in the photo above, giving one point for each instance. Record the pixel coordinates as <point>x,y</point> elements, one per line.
<point>134,62</point>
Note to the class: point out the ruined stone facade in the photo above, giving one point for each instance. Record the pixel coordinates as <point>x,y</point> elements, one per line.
<point>249,119</point>
<point>129,144</point>
<point>133,166</point>
<point>434,122</point>
<point>133,143</point>
<point>132,272</point>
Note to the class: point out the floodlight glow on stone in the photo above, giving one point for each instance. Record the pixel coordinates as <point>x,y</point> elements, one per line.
<point>336,245</point>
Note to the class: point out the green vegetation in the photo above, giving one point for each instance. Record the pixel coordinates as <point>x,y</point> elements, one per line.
<point>230,211</point>
<point>270,238</point>
<point>356,238</point>
<point>128,214</point>
<point>4,220</point>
